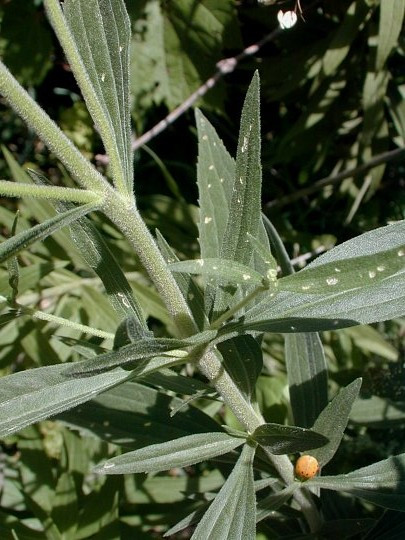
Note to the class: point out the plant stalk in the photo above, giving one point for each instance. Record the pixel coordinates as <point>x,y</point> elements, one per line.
<point>126,217</point>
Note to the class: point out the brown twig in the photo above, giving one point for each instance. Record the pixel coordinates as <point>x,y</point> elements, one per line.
<point>224,67</point>
<point>336,178</point>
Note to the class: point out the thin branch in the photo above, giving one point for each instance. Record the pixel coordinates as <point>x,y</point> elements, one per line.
<point>385,157</point>
<point>224,67</point>
<point>14,189</point>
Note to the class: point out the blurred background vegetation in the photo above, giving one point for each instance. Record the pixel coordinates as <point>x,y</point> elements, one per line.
<point>332,97</point>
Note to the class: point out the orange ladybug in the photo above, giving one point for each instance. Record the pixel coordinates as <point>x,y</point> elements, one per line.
<point>306,467</point>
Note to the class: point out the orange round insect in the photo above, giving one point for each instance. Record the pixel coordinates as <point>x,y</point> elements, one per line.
<point>306,467</point>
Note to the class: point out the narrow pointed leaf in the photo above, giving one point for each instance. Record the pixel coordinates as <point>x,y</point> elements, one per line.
<point>181,452</point>
<point>382,483</point>
<point>379,412</point>
<point>333,420</point>
<point>98,256</point>
<point>219,271</point>
<point>279,439</point>
<point>307,377</point>
<point>245,208</point>
<point>14,245</point>
<point>347,274</point>
<point>369,302</point>
<point>101,29</point>
<point>243,359</point>
<point>390,25</point>
<point>36,394</point>
<point>143,349</point>
<point>215,178</point>
<point>232,514</point>
<point>133,415</point>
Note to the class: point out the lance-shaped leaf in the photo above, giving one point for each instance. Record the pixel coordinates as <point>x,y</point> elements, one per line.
<point>347,274</point>
<point>215,178</point>
<point>181,452</point>
<point>13,245</point>
<point>146,348</point>
<point>307,377</point>
<point>101,30</point>
<point>390,25</point>
<point>243,359</point>
<point>220,271</point>
<point>375,301</point>
<point>279,439</point>
<point>378,412</point>
<point>133,415</point>
<point>98,256</point>
<point>382,483</point>
<point>245,208</point>
<point>333,420</point>
<point>36,394</point>
<point>232,514</point>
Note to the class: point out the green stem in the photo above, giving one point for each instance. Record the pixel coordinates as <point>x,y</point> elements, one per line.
<point>96,109</point>
<point>78,166</point>
<point>14,189</point>
<point>60,321</point>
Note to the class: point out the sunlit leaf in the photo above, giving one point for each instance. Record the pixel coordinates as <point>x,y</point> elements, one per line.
<point>333,420</point>
<point>224,518</point>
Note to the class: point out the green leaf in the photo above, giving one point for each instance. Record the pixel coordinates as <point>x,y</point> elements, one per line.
<point>220,271</point>
<point>146,348</point>
<point>382,483</point>
<point>245,206</point>
<point>215,178</point>
<point>382,300</point>
<point>178,46</point>
<point>17,243</point>
<point>232,514</point>
<point>243,359</point>
<point>347,274</point>
<point>102,33</point>
<point>333,420</point>
<point>277,245</point>
<point>65,505</point>
<point>22,30</point>
<point>279,439</point>
<point>181,452</point>
<point>378,412</point>
<point>307,377</point>
<point>99,257</point>
<point>346,32</point>
<point>36,394</point>
<point>390,25</point>
<point>133,415</point>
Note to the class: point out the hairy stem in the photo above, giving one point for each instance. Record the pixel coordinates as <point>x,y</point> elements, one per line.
<point>128,220</point>
<point>96,109</point>
<point>60,321</point>
<point>14,189</point>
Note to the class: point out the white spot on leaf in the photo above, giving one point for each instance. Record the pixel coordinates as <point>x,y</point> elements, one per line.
<point>332,281</point>
<point>207,220</point>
